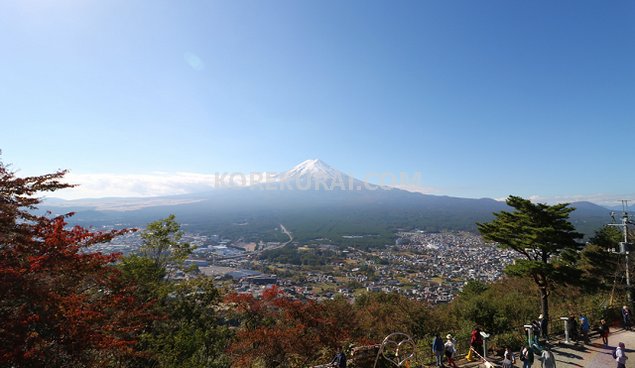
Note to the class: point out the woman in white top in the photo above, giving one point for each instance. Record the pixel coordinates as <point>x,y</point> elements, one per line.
<point>620,355</point>
<point>450,350</point>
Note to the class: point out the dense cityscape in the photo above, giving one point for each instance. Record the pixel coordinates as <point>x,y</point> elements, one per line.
<point>431,267</point>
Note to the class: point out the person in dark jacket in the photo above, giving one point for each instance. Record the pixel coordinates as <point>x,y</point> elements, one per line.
<point>438,348</point>
<point>572,326</point>
<point>604,332</point>
<point>543,327</point>
<point>339,360</point>
<point>527,356</point>
<point>508,359</point>
<point>626,317</point>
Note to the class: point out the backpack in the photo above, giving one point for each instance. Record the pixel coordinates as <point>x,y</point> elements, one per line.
<point>615,353</point>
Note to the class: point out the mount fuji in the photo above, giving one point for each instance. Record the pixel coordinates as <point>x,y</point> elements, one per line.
<point>312,169</point>
<point>313,201</point>
<point>314,175</point>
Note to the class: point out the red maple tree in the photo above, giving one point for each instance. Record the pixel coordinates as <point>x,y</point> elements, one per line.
<point>278,330</point>
<point>59,304</point>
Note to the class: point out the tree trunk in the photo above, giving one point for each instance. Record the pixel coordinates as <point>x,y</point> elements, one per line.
<point>544,306</point>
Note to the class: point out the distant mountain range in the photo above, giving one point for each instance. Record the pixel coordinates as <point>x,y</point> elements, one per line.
<point>314,201</point>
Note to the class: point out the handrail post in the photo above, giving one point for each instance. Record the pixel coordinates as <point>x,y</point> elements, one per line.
<point>566,330</point>
<point>485,336</point>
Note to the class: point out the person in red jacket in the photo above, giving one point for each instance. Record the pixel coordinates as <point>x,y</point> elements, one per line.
<point>476,343</point>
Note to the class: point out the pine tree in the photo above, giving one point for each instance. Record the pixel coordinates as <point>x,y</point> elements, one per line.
<point>538,233</point>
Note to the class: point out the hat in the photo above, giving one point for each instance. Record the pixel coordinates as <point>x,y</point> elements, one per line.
<point>540,316</point>
<point>449,337</point>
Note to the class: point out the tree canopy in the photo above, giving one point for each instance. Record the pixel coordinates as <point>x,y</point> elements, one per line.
<point>538,233</point>
<point>60,305</point>
<point>162,243</point>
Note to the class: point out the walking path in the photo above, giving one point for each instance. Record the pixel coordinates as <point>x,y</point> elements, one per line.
<point>594,355</point>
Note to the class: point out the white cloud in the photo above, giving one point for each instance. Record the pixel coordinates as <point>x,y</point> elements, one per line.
<point>135,185</point>
<point>102,185</point>
<point>597,198</point>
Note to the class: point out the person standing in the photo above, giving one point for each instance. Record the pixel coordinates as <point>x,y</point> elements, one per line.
<point>572,326</point>
<point>543,327</point>
<point>626,317</point>
<point>585,326</point>
<point>339,360</point>
<point>604,332</point>
<point>547,360</point>
<point>620,355</point>
<point>450,350</point>
<point>438,349</point>
<point>536,331</point>
<point>508,359</point>
<point>476,343</point>
<point>527,356</point>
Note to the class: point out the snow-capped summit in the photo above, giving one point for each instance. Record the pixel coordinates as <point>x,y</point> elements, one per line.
<point>315,174</point>
<point>315,169</point>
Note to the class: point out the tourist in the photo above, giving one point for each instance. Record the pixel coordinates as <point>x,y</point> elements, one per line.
<point>476,344</point>
<point>438,349</point>
<point>572,327</point>
<point>626,317</point>
<point>543,327</point>
<point>508,358</point>
<point>339,360</point>
<point>450,350</point>
<point>604,332</point>
<point>527,356</point>
<point>535,329</point>
<point>585,326</point>
<point>620,355</point>
<point>547,360</point>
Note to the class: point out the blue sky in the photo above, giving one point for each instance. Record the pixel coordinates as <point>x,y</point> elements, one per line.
<point>483,98</point>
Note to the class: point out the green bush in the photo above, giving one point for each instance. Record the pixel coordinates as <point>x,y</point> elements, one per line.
<point>513,339</point>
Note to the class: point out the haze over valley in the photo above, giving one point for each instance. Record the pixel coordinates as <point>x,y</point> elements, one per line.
<point>312,199</point>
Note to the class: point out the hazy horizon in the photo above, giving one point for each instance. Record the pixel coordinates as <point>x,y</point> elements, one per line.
<point>105,186</point>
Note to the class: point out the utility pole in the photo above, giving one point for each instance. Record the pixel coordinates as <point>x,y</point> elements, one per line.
<point>625,247</point>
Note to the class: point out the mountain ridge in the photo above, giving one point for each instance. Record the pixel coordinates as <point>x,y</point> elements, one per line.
<point>309,200</point>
